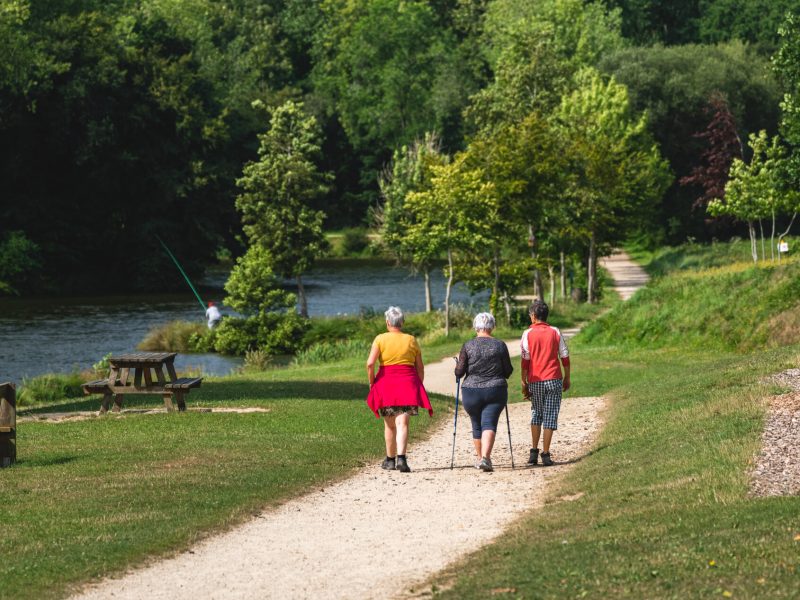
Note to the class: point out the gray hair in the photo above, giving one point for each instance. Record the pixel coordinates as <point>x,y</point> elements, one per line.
<point>394,316</point>
<point>483,322</point>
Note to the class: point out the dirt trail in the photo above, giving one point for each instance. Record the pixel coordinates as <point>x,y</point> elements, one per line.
<point>377,534</point>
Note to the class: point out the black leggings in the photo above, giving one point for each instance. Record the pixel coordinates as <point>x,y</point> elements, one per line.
<point>484,405</point>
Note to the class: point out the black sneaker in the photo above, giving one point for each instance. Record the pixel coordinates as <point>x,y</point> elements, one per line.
<point>534,458</point>
<point>486,465</point>
<point>402,465</point>
<point>546,460</point>
<point>388,464</point>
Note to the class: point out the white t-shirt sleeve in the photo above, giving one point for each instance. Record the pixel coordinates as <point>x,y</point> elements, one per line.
<point>563,351</point>
<point>523,344</point>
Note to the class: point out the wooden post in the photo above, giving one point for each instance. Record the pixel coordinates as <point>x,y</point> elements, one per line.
<point>181,401</point>
<point>8,424</point>
<point>106,404</point>
<point>117,403</point>
<point>168,402</point>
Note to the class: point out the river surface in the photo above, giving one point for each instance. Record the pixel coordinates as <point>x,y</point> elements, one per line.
<point>59,335</point>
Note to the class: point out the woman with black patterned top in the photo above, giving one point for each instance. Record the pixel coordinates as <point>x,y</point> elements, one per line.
<point>485,365</point>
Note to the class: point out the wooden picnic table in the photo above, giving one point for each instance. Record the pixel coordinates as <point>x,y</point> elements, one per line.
<point>152,373</point>
<point>8,424</point>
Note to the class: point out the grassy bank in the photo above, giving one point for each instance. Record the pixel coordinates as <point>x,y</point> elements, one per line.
<point>661,507</point>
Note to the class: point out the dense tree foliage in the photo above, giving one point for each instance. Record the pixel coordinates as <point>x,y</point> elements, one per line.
<point>703,21</point>
<point>675,86</point>
<point>124,120</point>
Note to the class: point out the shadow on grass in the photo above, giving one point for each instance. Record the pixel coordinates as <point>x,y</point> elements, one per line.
<point>223,392</point>
<point>46,462</point>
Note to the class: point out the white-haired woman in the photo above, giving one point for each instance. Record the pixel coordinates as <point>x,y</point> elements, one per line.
<point>485,365</point>
<point>396,392</point>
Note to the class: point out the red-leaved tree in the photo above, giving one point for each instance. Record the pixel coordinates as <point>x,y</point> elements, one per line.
<point>722,146</point>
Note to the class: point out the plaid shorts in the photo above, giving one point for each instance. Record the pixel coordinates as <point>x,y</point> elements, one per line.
<point>545,402</point>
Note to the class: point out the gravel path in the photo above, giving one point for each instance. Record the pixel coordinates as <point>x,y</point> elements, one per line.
<point>378,534</point>
<point>777,469</point>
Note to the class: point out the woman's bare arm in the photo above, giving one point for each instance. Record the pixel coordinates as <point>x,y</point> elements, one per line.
<point>371,360</point>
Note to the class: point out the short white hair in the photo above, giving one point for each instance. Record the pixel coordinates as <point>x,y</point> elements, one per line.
<point>483,322</point>
<point>394,316</point>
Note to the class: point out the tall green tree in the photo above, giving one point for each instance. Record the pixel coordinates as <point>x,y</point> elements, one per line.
<point>277,190</point>
<point>757,190</point>
<point>457,214</point>
<point>524,162</point>
<point>378,66</point>
<point>410,171</point>
<point>535,48</point>
<point>616,171</point>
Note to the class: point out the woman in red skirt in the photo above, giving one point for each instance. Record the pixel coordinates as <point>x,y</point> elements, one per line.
<point>396,392</point>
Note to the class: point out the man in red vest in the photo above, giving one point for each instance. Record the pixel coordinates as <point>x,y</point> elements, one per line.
<point>544,353</point>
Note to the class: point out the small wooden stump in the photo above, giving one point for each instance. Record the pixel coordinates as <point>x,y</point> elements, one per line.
<point>8,424</point>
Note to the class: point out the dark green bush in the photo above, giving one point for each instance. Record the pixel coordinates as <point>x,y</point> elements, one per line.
<point>274,333</point>
<point>175,336</point>
<point>50,388</point>
<point>354,241</point>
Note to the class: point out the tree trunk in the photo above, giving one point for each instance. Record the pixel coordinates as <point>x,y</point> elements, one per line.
<point>772,239</point>
<point>428,298</point>
<point>751,228</point>
<point>563,266</point>
<point>592,270</point>
<point>301,297</point>
<point>494,301</point>
<point>763,250</point>
<point>551,271</point>
<point>784,234</point>
<point>447,292</point>
<point>507,305</point>
<point>538,288</point>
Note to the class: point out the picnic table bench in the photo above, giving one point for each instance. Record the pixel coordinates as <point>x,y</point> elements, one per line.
<point>149,377</point>
<point>8,424</point>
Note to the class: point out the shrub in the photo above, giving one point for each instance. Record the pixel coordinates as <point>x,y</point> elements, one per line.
<point>274,333</point>
<point>50,388</point>
<point>354,241</point>
<point>256,360</point>
<point>331,351</point>
<point>175,336</point>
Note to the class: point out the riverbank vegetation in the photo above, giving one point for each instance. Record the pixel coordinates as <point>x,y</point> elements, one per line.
<point>661,507</point>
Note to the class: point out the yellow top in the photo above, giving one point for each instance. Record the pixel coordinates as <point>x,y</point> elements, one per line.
<point>397,348</point>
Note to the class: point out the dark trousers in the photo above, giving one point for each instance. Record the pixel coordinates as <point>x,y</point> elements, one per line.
<point>484,405</point>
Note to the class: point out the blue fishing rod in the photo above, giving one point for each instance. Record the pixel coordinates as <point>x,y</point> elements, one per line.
<point>185,276</point>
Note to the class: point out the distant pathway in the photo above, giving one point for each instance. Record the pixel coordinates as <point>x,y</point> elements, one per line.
<point>377,534</point>
<point>628,276</point>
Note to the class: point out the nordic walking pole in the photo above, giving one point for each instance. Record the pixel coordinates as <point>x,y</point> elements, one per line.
<point>185,276</point>
<point>455,420</point>
<point>510,447</point>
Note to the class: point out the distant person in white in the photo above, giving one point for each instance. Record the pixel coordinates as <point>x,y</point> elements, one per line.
<point>213,315</point>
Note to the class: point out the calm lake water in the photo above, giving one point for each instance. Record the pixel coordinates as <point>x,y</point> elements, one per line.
<point>58,335</point>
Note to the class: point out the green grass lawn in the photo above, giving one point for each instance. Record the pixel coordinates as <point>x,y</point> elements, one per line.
<point>663,508</point>
<point>88,498</point>
<point>92,497</point>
